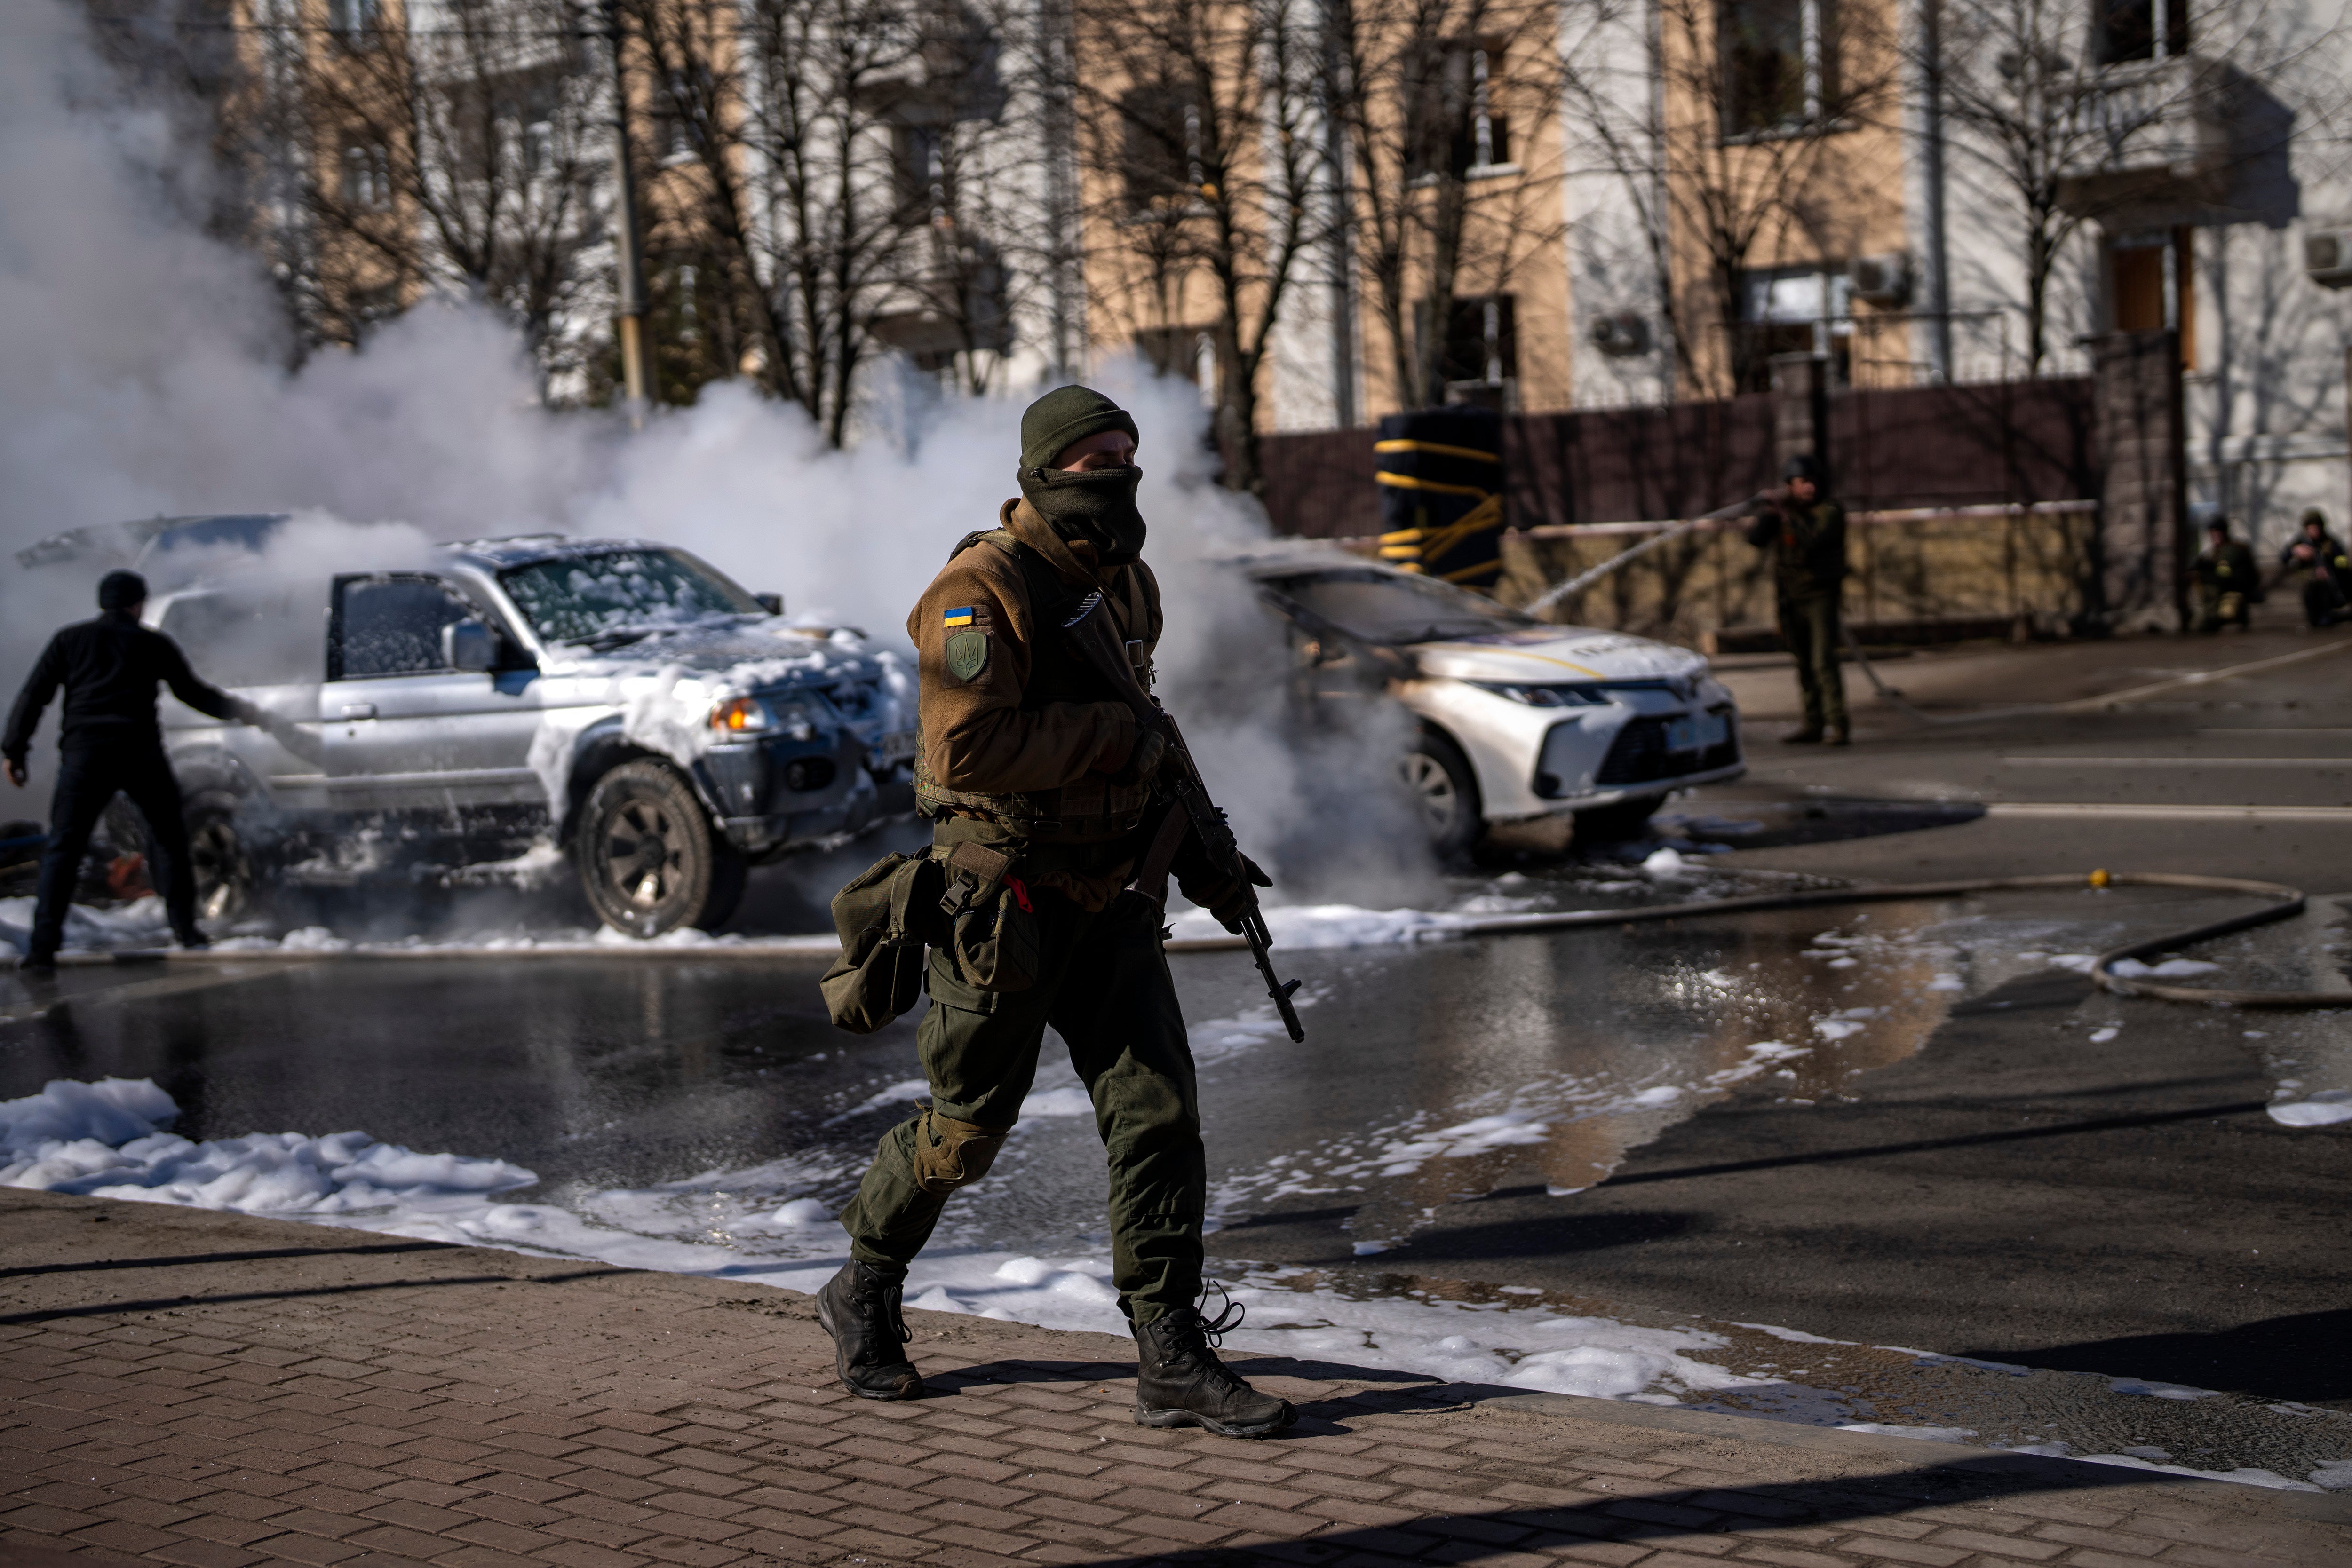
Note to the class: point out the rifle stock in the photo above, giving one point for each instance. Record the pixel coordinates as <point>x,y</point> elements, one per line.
<point>1098,640</point>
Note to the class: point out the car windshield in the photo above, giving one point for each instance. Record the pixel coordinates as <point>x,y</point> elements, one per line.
<point>622,594</point>
<point>1390,607</point>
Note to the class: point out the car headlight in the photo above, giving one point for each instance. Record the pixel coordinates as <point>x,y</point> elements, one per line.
<point>741,716</point>
<point>1546,695</point>
<point>751,716</point>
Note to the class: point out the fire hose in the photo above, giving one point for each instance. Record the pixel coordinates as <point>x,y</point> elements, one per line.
<point>2284,903</point>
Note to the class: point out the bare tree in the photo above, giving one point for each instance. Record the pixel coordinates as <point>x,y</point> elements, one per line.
<point>2061,117</point>
<point>834,166</point>
<point>466,153</point>
<point>1438,102</point>
<point>1197,132</point>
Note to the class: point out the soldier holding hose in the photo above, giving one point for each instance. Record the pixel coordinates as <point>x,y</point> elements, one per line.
<point>1805,531</point>
<point>1038,776</point>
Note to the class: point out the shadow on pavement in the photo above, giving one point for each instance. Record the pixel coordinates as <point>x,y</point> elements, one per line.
<point>2302,1358</point>
<point>1777,824</point>
<point>1961,1141</point>
<point>94,1264</point>
<point>1676,1514</point>
<point>165,1303</point>
<point>1012,1372</point>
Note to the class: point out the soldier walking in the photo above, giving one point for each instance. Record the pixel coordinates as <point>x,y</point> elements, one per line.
<point>1036,778</point>
<point>1805,531</point>
<point>110,745</point>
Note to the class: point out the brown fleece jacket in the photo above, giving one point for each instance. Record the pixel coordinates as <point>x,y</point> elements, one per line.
<point>976,735</point>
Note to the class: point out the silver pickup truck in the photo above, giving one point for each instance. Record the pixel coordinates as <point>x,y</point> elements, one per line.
<point>618,701</point>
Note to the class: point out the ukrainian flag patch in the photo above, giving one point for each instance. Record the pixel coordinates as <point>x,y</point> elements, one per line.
<point>958,617</point>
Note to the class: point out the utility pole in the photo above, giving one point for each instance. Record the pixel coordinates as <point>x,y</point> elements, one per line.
<point>1338,19</point>
<point>628,282</point>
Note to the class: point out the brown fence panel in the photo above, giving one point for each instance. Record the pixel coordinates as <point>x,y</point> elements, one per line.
<point>1319,484</point>
<point>1617,465</point>
<point>1964,445</point>
<point>1889,447</point>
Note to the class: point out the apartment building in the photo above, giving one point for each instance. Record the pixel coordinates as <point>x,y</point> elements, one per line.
<point>1917,191</point>
<point>1322,213</point>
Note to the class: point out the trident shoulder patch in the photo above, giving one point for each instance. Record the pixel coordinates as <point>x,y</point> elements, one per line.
<point>967,652</point>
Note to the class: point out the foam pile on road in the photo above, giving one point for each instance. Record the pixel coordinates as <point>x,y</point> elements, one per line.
<point>107,1139</point>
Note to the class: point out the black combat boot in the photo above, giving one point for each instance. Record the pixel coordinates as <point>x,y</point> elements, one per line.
<point>1180,1382</point>
<point>859,1308</point>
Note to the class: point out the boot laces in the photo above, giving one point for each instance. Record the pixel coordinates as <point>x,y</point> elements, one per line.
<point>882,1301</point>
<point>1193,1336</point>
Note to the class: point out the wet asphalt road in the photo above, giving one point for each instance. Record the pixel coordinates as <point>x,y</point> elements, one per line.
<point>1970,1171</point>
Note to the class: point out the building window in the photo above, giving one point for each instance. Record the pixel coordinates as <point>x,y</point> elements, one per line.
<point>2140,29</point>
<point>366,177</point>
<point>1791,310</point>
<point>1778,60</point>
<point>919,171</point>
<point>1185,354</point>
<point>2152,287</point>
<point>352,22</point>
<point>1457,128</point>
<point>1159,148</point>
<point>1482,342</point>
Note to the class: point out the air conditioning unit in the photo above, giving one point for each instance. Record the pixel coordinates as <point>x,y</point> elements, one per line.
<point>2328,256</point>
<point>1881,280</point>
<point>1623,335</point>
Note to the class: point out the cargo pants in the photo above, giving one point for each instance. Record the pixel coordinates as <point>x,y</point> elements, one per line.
<point>1809,625</point>
<point>1103,986</point>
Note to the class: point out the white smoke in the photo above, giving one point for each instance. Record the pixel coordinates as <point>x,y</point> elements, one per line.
<point>147,376</point>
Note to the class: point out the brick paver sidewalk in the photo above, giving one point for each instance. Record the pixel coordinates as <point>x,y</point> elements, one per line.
<point>217,1391</point>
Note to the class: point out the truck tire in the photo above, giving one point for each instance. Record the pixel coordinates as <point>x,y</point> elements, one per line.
<point>648,857</point>
<point>220,853</point>
<point>228,883</point>
<point>1444,791</point>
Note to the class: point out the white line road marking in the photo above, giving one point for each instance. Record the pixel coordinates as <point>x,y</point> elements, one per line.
<point>2062,808</point>
<point>2173,762</point>
<point>2202,678</point>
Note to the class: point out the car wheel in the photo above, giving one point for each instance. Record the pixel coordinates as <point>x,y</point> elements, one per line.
<point>1437,778</point>
<point>1616,823</point>
<point>227,886</point>
<point>650,860</point>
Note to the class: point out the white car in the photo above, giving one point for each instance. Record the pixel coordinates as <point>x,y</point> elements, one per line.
<point>1519,718</point>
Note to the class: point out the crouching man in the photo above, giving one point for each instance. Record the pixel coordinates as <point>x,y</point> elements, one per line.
<point>1038,780</point>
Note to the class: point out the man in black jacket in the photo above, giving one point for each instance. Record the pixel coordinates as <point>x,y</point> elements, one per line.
<point>110,744</point>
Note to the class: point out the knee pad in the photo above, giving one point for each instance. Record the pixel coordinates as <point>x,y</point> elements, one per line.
<point>950,1153</point>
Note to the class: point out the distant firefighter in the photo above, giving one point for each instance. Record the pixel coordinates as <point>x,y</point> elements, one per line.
<point>2327,571</point>
<point>1805,531</point>
<point>110,744</point>
<point>2228,582</point>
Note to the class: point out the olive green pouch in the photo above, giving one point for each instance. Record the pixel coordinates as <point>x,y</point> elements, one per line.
<point>886,917</point>
<point>992,929</point>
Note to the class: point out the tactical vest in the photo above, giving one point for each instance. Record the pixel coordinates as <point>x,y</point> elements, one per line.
<point>1093,810</point>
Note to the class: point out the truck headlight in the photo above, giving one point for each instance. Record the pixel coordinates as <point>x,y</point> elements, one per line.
<point>741,716</point>
<point>1545,696</point>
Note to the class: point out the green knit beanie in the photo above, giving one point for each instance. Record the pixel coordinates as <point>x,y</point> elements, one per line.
<point>1064,415</point>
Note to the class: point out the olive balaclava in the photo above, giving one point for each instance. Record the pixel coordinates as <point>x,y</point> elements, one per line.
<point>1097,505</point>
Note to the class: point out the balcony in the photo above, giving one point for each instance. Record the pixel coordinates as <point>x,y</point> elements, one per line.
<point>2158,133</point>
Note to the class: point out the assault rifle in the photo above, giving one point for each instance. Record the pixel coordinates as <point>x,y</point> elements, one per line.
<point>1098,640</point>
